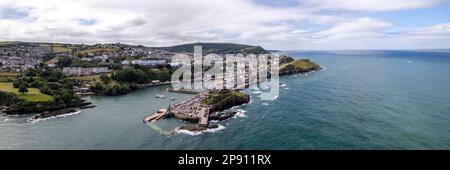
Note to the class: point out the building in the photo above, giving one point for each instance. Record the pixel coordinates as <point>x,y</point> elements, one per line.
<point>145,62</point>
<point>80,71</point>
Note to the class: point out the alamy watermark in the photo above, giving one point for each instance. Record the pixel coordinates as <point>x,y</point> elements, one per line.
<point>259,72</point>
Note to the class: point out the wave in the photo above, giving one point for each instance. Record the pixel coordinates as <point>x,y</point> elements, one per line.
<point>214,121</point>
<point>187,132</point>
<point>257,92</point>
<point>54,117</point>
<point>236,107</point>
<point>240,113</point>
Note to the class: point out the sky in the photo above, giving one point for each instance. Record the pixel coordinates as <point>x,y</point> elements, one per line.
<point>272,24</point>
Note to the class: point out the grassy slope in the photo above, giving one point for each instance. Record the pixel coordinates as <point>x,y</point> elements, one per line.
<point>215,98</point>
<point>220,48</point>
<point>91,78</point>
<point>33,95</point>
<point>303,64</point>
<point>8,74</point>
<point>61,49</point>
<point>97,50</point>
<point>52,61</point>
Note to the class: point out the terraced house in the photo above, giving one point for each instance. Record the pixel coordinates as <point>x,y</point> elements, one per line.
<point>80,71</point>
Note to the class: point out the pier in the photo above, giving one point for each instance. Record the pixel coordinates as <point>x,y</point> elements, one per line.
<point>191,110</point>
<point>204,117</point>
<point>160,114</point>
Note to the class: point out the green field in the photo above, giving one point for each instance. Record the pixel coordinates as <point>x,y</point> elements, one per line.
<point>33,95</point>
<point>7,42</point>
<point>97,50</point>
<point>8,74</point>
<point>52,61</point>
<point>93,78</point>
<point>88,78</point>
<point>303,64</point>
<point>61,49</point>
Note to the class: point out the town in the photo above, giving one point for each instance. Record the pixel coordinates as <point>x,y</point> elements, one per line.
<point>19,56</point>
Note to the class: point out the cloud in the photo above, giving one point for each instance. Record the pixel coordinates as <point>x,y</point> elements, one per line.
<point>161,23</point>
<point>371,5</point>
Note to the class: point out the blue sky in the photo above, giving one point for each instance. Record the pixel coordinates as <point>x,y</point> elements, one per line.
<point>273,24</point>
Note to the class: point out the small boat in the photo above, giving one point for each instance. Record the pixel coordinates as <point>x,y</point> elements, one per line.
<point>173,98</point>
<point>282,85</point>
<point>409,62</point>
<point>160,96</point>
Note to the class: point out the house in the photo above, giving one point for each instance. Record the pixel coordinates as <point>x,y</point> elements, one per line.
<point>125,62</point>
<point>86,59</point>
<point>101,58</point>
<point>176,64</point>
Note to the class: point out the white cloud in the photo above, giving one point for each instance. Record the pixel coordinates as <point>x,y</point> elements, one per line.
<point>371,5</point>
<point>160,23</point>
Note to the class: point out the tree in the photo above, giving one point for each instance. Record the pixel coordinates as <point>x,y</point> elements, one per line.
<point>65,62</point>
<point>105,79</point>
<point>23,89</point>
<point>131,76</point>
<point>98,88</point>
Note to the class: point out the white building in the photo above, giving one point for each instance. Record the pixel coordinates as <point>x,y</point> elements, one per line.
<point>148,62</point>
<point>80,71</point>
<point>144,62</point>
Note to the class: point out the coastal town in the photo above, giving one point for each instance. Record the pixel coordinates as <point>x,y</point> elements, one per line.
<point>50,79</point>
<point>20,56</point>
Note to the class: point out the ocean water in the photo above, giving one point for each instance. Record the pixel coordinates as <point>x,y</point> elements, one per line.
<point>362,100</point>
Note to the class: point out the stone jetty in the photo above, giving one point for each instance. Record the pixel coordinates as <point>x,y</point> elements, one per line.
<point>198,108</point>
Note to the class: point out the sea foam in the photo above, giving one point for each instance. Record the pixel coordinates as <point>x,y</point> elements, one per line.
<point>240,113</point>
<point>187,132</point>
<point>54,117</point>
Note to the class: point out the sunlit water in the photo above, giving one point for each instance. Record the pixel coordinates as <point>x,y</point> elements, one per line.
<point>362,100</point>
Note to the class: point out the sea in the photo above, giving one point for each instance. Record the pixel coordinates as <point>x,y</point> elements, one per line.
<point>397,99</point>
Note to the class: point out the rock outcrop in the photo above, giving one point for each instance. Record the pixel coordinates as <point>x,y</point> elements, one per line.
<point>197,128</point>
<point>299,66</point>
<point>223,116</point>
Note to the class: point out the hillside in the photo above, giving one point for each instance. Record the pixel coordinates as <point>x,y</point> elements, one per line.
<point>218,48</point>
<point>299,66</point>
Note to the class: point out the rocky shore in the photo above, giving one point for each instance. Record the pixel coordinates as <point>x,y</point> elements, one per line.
<point>223,116</point>
<point>197,128</point>
<point>44,110</point>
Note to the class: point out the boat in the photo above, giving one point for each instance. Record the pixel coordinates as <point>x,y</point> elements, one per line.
<point>173,98</point>
<point>160,96</point>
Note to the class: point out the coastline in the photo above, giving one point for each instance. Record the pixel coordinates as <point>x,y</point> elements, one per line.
<point>195,110</point>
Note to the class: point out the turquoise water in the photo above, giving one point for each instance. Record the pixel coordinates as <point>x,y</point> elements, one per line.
<point>363,100</point>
